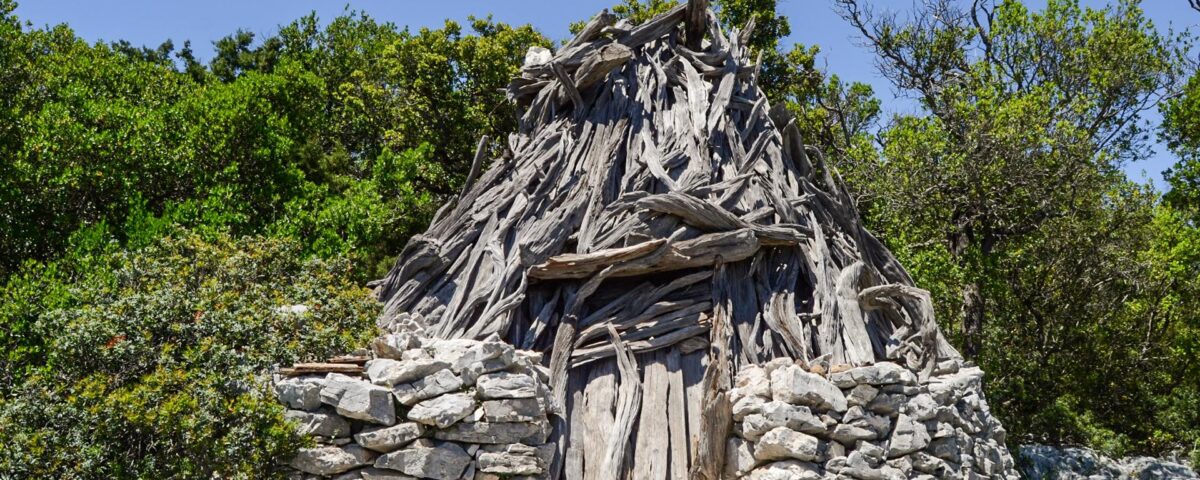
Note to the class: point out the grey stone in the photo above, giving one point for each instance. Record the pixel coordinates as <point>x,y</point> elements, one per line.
<point>437,383</point>
<point>907,390</point>
<point>778,414</point>
<point>322,424</point>
<point>747,405</point>
<point>302,393</point>
<point>887,403</point>
<point>514,459</point>
<point>787,470</point>
<point>947,367</point>
<point>358,399</point>
<point>387,439</point>
<point>903,464</point>
<point>782,443</point>
<point>859,417</point>
<point>389,372</point>
<point>882,373</point>
<point>372,473</point>
<point>921,407</point>
<point>1041,461</point>
<point>393,345</point>
<point>331,460</point>
<point>793,384</point>
<point>739,457</point>
<point>861,395</point>
<point>443,411</point>
<point>751,381</point>
<point>495,433</point>
<point>874,454</point>
<point>474,357</point>
<point>850,434</point>
<point>506,385</point>
<point>775,363</point>
<point>859,466</point>
<point>945,448</point>
<point>351,475</point>
<point>947,389</point>
<point>436,460</point>
<point>512,410</point>
<point>924,462</point>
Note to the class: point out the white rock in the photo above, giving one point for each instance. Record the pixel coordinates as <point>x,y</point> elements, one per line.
<point>443,411</point>
<point>793,384</point>
<point>437,383</point>
<point>473,356</point>
<point>331,460</point>
<point>512,410</point>
<point>321,424</point>
<point>751,380</point>
<point>387,439</point>
<point>512,461</point>
<point>861,395</point>
<point>874,454</point>
<point>739,457</point>
<point>922,407</point>
<point>358,399</point>
<point>301,393</point>
<point>537,56</point>
<point>857,416</point>
<point>787,470</point>
<point>389,372</point>
<point>783,443</point>
<point>778,414</point>
<point>882,373</point>
<point>436,460</point>
<point>747,405</point>
<point>948,389</point>
<point>393,345</point>
<point>850,434</point>
<point>496,433</point>
<point>506,385</point>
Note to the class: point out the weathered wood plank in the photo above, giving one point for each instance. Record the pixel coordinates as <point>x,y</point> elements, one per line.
<point>650,460</point>
<point>676,416</point>
<point>310,368</point>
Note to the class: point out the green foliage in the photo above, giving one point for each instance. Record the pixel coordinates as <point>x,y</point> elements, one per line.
<point>275,136</point>
<point>1069,284</point>
<point>153,360</point>
<point>1181,131</point>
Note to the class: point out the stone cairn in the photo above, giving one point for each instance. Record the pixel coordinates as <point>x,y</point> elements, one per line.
<point>875,422</point>
<point>421,408</point>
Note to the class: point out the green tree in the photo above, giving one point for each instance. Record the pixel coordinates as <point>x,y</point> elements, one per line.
<point>1006,199</point>
<point>1181,131</point>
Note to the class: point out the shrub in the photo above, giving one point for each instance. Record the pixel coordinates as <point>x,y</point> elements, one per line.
<point>153,363</point>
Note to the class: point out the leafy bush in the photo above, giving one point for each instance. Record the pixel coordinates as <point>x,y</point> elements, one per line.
<point>153,361</point>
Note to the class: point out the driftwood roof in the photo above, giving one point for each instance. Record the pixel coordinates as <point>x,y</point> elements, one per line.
<point>655,210</point>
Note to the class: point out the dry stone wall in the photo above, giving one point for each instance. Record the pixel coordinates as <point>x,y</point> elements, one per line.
<point>447,409</point>
<point>875,422</point>
<point>422,408</point>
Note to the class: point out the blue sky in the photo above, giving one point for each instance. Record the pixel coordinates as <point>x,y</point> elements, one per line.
<point>149,22</point>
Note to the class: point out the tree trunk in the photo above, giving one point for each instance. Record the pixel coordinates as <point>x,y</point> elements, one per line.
<point>972,326</point>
